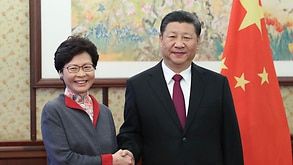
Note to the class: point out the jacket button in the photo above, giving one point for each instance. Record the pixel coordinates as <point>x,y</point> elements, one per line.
<point>184,139</point>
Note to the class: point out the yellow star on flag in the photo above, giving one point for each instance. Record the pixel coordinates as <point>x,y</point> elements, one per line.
<point>264,76</point>
<point>254,14</point>
<point>223,66</point>
<point>241,82</point>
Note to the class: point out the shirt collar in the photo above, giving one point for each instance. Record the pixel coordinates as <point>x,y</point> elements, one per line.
<point>68,92</point>
<point>168,73</point>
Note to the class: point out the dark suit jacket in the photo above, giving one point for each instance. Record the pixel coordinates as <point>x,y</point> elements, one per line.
<point>152,129</point>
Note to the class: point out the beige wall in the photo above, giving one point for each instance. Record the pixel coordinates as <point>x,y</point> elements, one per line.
<point>14,71</point>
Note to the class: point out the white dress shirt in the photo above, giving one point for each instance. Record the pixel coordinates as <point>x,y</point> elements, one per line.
<point>185,82</point>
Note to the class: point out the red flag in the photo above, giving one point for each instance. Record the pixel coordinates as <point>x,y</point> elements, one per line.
<point>248,64</point>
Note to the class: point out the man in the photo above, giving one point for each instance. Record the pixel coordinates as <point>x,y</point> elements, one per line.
<point>152,129</point>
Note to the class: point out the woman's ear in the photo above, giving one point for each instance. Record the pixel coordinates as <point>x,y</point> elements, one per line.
<point>60,75</point>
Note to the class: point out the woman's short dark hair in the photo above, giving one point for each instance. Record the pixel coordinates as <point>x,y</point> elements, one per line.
<point>71,47</point>
<point>181,17</point>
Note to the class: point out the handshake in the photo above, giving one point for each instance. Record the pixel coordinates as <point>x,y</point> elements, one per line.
<point>123,157</point>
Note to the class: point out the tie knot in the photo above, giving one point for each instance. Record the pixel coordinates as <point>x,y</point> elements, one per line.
<point>177,77</point>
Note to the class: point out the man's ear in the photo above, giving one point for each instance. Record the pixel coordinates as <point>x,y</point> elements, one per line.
<point>160,40</point>
<point>198,42</point>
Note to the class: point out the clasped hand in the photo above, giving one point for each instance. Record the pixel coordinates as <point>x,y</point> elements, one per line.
<point>123,157</point>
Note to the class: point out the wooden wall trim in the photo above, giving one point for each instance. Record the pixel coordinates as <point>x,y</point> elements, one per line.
<point>33,114</point>
<point>24,149</point>
<point>285,81</point>
<point>56,83</point>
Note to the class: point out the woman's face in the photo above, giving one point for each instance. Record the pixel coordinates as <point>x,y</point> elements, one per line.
<point>79,74</point>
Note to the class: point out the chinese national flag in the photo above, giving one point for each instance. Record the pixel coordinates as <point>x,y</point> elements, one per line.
<point>248,64</point>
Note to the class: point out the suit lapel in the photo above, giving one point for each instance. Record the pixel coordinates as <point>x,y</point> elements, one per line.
<point>156,77</point>
<point>198,86</point>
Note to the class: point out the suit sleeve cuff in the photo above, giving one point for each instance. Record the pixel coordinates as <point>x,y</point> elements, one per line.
<point>107,159</point>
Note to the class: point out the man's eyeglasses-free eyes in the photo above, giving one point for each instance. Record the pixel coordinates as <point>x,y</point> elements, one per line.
<point>76,68</point>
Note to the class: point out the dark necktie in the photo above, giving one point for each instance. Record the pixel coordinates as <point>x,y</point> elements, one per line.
<point>178,99</point>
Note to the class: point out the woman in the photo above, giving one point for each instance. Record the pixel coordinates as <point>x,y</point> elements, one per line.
<point>76,129</point>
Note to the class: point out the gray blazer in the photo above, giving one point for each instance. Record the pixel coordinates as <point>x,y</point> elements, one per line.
<point>71,138</point>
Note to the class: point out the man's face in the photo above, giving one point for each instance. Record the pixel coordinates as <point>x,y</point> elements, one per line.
<point>179,44</point>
